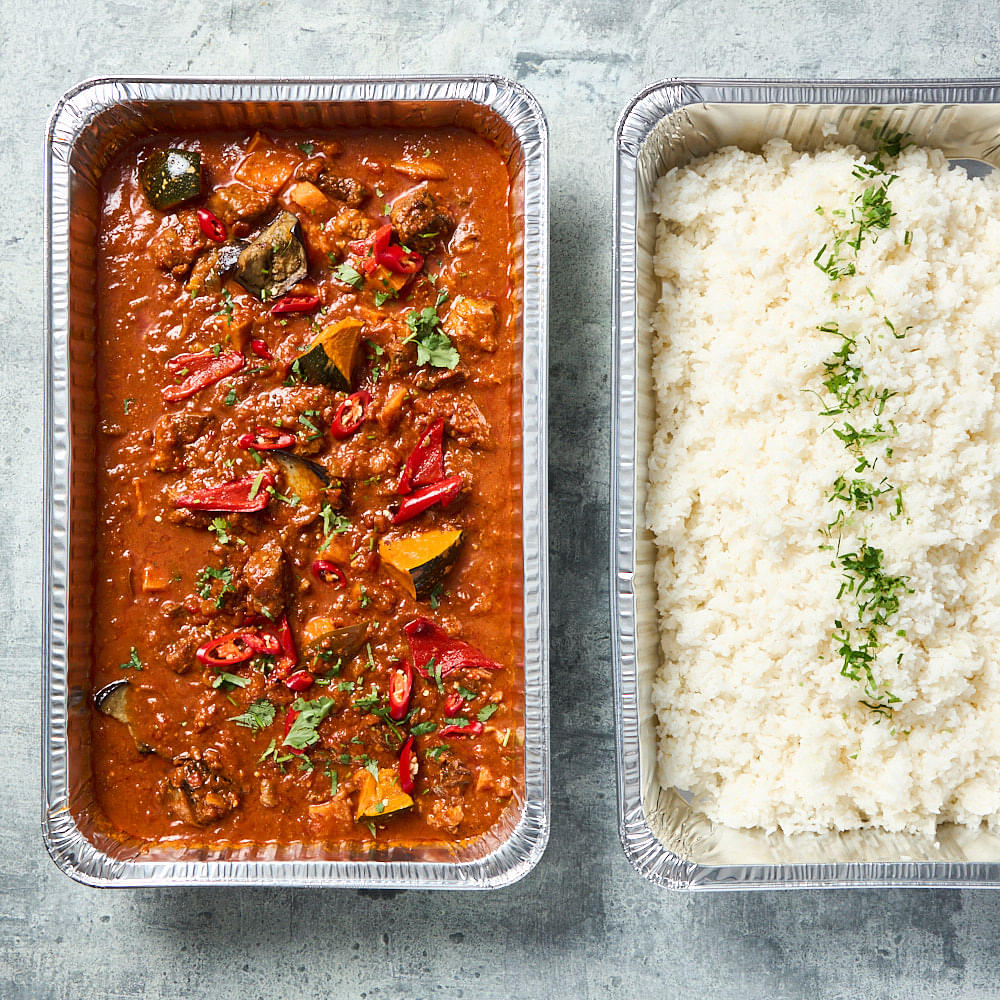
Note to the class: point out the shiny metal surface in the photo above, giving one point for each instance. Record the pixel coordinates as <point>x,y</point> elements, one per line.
<point>88,125</point>
<point>666,839</point>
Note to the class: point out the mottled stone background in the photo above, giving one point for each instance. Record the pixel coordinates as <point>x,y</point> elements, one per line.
<point>582,925</point>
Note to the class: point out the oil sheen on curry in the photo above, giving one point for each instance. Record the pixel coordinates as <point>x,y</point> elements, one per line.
<point>308,577</point>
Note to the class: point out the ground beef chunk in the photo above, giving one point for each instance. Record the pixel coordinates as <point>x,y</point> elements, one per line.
<point>347,225</point>
<point>472,323</point>
<point>196,791</point>
<point>172,432</point>
<point>236,202</point>
<point>419,220</point>
<point>310,170</point>
<point>264,575</point>
<point>175,248</point>
<point>346,189</point>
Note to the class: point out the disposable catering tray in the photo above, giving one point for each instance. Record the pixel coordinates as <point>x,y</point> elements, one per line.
<point>88,126</point>
<point>666,837</point>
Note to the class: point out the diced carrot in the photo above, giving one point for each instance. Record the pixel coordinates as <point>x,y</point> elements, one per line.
<point>154,579</point>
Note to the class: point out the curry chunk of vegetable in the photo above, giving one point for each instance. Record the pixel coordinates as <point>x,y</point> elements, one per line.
<point>330,359</point>
<point>421,561</point>
<point>380,797</point>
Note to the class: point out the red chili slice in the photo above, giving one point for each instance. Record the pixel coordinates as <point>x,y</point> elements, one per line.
<point>409,767</point>
<point>425,465</point>
<point>264,642</point>
<point>473,728</point>
<point>443,493</point>
<point>212,226</point>
<point>227,650</point>
<point>290,716</point>
<point>245,496</point>
<point>453,704</point>
<point>200,371</point>
<point>295,304</point>
<point>267,439</point>
<point>301,680</point>
<point>400,689</point>
<point>260,348</point>
<point>350,415</point>
<point>430,642</point>
<point>401,261</point>
<point>377,249</point>
<point>328,572</point>
<point>290,655</point>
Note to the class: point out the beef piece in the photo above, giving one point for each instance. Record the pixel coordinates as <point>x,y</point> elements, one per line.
<point>172,432</point>
<point>472,323</point>
<point>346,189</point>
<point>236,202</point>
<point>464,420</point>
<point>434,378</point>
<point>207,274</point>
<point>179,654</point>
<point>175,248</point>
<point>264,576</point>
<point>309,170</point>
<point>347,225</point>
<point>419,220</point>
<point>197,792</point>
<point>452,774</point>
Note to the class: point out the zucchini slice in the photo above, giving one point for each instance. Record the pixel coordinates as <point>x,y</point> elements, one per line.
<point>330,359</point>
<point>378,798</point>
<point>421,562</point>
<point>274,260</point>
<point>171,176</point>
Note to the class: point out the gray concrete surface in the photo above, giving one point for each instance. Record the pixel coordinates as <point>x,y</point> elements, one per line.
<point>582,925</point>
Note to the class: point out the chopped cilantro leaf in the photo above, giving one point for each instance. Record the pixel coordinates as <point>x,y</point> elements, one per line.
<point>134,663</point>
<point>303,732</point>
<point>347,274</point>
<point>258,716</point>
<point>487,712</point>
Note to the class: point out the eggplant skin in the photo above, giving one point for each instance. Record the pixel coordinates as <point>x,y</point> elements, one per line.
<point>274,260</point>
<point>171,176</point>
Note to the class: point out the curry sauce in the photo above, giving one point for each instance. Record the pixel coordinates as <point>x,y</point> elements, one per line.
<point>308,614</point>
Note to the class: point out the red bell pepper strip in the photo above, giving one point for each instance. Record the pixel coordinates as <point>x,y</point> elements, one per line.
<point>201,370</point>
<point>473,728</point>
<point>429,642</point>
<point>267,439</point>
<point>236,647</point>
<point>328,572</point>
<point>442,492</point>
<point>295,304</point>
<point>376,250</point>
<point>260,348</point>
<point>400,689</point>
<point>409,767</point>
<point>425,465</point>
<point>454,703</point>
<point>290,716</point>
<point>211,225</point>
<point>245,496</point>
<point>350,415</point>
<point>301,680</point>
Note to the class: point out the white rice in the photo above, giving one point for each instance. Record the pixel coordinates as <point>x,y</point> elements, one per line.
<point>754,715</point>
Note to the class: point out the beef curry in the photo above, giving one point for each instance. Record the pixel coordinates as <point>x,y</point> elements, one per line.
<point>308,575</point>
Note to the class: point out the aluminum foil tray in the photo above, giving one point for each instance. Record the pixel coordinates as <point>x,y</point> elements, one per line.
<point>666,839</point>
<point>88,126</point>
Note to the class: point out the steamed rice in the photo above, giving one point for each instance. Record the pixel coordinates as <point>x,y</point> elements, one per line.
<point>754,716</point>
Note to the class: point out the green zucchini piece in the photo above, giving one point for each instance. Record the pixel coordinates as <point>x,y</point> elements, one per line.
<point>330,359</point>
<point>274,260</point>
<point>171,176</point>
<point>421,561</point>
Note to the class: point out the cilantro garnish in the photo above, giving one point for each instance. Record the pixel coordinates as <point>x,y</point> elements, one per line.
<point>433,346</point>
<point>134,663</point>
<point>303,732</point>
<point>204,583</point>
<point>347,274</point>
<point>258,716</point>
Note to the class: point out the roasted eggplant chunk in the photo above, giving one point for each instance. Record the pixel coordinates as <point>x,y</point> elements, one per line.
<point>309,480</point>
<point>274,260</point>
<point>112,701</point>
<point>171,176</point>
